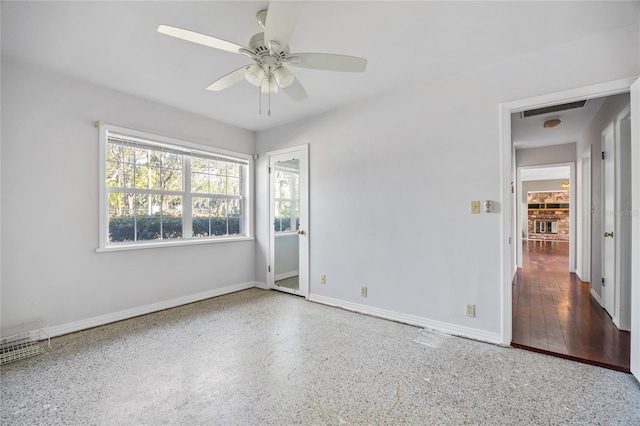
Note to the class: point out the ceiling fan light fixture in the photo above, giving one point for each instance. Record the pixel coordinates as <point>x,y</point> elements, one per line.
<point>269,85</point>
<point>284,77</point>
<point>254,74</point>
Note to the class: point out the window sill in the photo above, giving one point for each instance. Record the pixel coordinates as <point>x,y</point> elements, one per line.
<point>161,244</point>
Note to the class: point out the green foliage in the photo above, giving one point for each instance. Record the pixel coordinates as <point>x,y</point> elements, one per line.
<point>123,229</point>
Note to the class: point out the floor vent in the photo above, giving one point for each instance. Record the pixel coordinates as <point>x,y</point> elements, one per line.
<point>23,341</point>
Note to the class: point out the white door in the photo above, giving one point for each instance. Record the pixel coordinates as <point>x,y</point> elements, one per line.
<point>288,217</point>
<point>608,221</point>
<point>635,229</point>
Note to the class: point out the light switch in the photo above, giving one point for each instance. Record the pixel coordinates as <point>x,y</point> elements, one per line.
<point>475,207</point>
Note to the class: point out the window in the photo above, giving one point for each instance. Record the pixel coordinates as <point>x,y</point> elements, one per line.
<point>157,190</point>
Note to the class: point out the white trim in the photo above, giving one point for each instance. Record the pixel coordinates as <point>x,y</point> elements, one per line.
<point>84,324</point>
<point>603,217</point>
<point>572,211</point>
<point>261,285</point>
<point>635,229</point>
<point>303,244</point>
<point>506,174</point>
<point>596,297</point>
<point>171,243</point>
<point>442,327</point>
<point>186,148</point>
<point>622,318</point>
<point>583,239</point>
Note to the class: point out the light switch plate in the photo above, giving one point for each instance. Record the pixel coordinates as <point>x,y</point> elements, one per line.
<point>475,207</point>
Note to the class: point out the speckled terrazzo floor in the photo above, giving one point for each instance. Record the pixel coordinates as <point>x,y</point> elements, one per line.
<point>261,357</point>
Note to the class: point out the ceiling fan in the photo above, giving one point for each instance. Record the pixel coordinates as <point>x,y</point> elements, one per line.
<point>270,53</point>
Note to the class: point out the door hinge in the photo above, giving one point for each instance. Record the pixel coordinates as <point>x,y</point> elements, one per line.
<point>512,187</point>
<point>509,240</point>
<point>603,281</point>
<point>269,170</point>
<point>603,155</point>
<point>269,268</point>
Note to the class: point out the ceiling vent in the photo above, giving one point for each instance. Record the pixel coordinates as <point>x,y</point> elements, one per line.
<point>553,108</point>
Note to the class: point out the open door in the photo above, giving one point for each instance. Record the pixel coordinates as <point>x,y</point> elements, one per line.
<point>635,229</point>
<point>608,221</point>
<point>288,213</point>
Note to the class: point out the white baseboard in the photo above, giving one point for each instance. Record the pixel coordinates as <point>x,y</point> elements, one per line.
<point>595,296</point>
<point>260,284</point>
<point>72,327</point>
<point>285,275</point>
<point>443,327</point>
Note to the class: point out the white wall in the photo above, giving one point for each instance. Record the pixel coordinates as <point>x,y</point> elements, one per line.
<point>554,154</point>
<point>50,268</point>
<point>391,180</point>
<point>591,137</point>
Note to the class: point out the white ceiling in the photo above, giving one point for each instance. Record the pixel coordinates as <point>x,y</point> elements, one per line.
<point>115,44</point>
<point>530,132</point>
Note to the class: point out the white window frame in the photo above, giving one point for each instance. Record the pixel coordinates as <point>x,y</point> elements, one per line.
<point>187,148</point>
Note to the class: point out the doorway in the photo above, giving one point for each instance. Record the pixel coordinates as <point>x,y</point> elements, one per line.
<point>509,252</point>
<point>289,221</point>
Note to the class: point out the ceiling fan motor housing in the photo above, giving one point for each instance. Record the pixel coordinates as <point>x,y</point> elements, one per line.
<point>257,44</point>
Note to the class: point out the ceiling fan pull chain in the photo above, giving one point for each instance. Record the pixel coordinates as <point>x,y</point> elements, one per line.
<point>269,95</point>
<point>260,101</point>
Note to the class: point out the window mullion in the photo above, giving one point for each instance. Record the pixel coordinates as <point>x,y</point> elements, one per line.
<point>187,203</point>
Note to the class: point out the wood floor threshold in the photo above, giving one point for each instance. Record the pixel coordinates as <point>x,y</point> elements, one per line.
<point>554,312</point>
<point>572,358</point>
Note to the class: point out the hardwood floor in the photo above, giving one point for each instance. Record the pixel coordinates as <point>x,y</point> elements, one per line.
<point>554,313</point>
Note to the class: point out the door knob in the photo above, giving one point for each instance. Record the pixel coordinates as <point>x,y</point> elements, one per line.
<point>301,232</point>
<point>608,234</point>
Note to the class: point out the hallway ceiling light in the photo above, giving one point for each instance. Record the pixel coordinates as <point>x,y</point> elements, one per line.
<point>552,123</point>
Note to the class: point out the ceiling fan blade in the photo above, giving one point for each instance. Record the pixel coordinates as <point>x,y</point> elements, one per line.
<point>327,62</point>
<point>205,40</point>
<point>228,80</point>
<point>295,91</point>
<point>282,17</point>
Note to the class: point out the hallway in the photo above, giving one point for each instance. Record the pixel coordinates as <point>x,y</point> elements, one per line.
<point>554,313</point>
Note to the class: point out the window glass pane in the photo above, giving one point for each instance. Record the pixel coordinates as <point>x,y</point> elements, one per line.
<point>233,186</point>
<point>171,216</point>
<point>233,169</point>
<point>200,183</point>
<point>142,177</point>
<point>218,217</point>
<point>114,174</point>
<point>199,165</point>
<point>128,175</point>
<point>147,224</point>
<point>171,174</point>
<point>201,209</point>
<point>234,217</point>
<point>217,167</point>
<point>121,218</point>
<point>127,154</point>
<point>140,155</point>
<point>218,184</point>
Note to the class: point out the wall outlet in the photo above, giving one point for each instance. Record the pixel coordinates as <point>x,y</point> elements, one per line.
<point>322,279</point>
<point>475,207</point>
<point>470,310</point>
<point>363,291</point>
